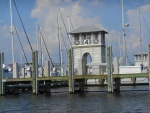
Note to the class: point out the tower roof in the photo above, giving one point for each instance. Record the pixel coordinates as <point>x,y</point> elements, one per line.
<point>87,29</point>
<point>139,54</point>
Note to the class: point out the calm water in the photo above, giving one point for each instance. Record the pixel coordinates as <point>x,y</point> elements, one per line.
<point>88,102</point>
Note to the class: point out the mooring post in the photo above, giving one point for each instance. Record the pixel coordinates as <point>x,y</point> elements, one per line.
<point>72,75</point>
<point>70,71</point>
<point>2,91</point>
<point>133,79</point>
<point>101,80</point>
<point>34,72</point>
<point>149,62</point>
<point>109,69</point>
<point>70,58</point>
<point>116,71</point>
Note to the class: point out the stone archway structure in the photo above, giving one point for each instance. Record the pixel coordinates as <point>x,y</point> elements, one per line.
<point>84,63</point>
<point>88,40</point>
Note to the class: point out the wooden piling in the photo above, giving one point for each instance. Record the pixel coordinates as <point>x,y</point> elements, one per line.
<point>70,72</point>
<point>149,63</point>
<point>116,71</point>
<point>47,87</point>
<point>2,90</point>
<point>101,80</point>
<point>109,69</point>
<point>34,72</point>
<point>133,79</point>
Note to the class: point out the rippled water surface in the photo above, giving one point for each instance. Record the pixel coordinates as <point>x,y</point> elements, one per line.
<point>88,102</point>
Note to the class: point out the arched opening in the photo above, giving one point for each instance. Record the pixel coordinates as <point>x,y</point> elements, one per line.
<point>85,59</point>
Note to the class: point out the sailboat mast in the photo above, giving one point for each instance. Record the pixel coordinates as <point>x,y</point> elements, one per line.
<point>37,46</point>
<point>41,48</point>
<point>60,45</point>
<point>69,27</point>
<point>123,33</point>
<point>11,31</point>
<point>37,37</point>
<point>140,33</point>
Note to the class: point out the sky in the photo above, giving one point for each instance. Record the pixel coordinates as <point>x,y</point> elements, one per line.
<point>105,14</point>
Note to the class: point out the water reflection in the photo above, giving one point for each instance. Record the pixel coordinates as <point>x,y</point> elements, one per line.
<point>87,102</point>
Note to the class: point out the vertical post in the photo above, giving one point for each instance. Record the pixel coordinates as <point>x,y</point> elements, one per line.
<point>80,67</point>
<point>84,68</point>
<point>11,30</point>
<point>15,70</point>
<point>34,72</point>
<point>40,69</point>
<point>109,69</point>
<point>1,74</point>
<point>71,87</point>
<point>84,72</point>
<point>37,46</point>
<point>71,61</point>
<point>50,67</point>
<point>72,65</point>
<point>123,33</point>
<point>116,71</point>
<point>23,72</point>
<point>101,80</point>
<point>133,79</point>
<point>149,63</point>
<point>70,70</point>
<point>47,69</point>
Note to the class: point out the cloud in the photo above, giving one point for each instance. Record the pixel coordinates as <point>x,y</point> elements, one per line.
<point>133,31</point>
<point>134,28</point>
<point>132,38</point>
<point>46,14</point>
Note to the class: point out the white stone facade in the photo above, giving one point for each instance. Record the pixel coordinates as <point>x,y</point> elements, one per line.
<point>91,42</point>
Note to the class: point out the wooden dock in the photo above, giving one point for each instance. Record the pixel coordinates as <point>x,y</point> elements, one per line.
<point>113,80</point>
